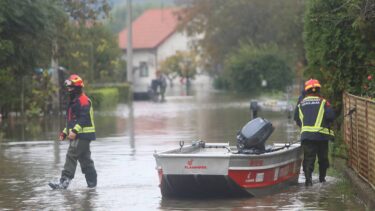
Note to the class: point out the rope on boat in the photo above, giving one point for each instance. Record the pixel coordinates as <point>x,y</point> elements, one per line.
<point>202,144</point>
<point>287,145</point>
<point>224,147</point>
<point>181,145</point>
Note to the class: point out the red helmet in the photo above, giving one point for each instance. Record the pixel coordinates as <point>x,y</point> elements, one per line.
<point>312,84</point>
<point>74,81</point>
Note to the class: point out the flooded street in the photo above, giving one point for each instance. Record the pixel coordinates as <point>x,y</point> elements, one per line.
<point>123,155</point>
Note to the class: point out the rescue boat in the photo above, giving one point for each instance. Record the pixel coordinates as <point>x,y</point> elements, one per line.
<point>218,169</point>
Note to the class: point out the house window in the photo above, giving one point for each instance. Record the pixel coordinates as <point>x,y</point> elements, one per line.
<point>143,69</point>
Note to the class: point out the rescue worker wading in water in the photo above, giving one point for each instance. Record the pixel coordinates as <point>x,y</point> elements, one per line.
<point>314,115</point>
<point>80,131</point>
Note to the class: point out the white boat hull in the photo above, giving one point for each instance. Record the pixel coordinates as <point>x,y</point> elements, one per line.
<point>216,169</point>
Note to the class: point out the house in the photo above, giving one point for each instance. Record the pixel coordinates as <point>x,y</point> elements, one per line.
<point>155,37</point>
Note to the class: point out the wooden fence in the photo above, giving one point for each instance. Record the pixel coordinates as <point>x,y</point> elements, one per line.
<point>359,135</point>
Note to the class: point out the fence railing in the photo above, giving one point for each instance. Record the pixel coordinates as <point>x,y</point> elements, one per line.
<point>359,135</point>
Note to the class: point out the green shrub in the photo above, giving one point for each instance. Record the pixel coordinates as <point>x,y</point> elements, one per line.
<point>220,83</point>
<point>104,97</point>
<point>246,68</point>
<point>339,42</point>
<point>123,91</point>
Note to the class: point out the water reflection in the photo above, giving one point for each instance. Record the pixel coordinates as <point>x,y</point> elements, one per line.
<point>15,128</point>
<point>80,200</point>
<point>56,152</point>
<point>299,197</point>
<point>130,127</point>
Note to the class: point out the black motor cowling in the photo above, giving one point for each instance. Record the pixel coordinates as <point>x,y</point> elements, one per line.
<point>252,137</point>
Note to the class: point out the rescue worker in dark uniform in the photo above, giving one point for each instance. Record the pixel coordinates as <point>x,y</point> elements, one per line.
<point>80,131</point>
<point>314,116</point>
<point>162,83</point>
<point>254,108</point>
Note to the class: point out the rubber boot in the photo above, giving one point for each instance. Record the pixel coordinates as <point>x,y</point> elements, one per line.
<point>91,179</point>
<point>322,174</point>
<point>63,184</point>
<point>308,179</point>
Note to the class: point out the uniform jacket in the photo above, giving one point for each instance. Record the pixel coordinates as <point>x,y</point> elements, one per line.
<point>80,118</point>
<point>315,116</point>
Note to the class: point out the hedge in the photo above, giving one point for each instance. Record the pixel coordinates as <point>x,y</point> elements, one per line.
<point>104,97</point>
<point>123,91</point>
<point>108,95</point>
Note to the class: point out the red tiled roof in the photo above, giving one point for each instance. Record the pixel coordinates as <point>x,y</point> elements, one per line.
<point>151,28</point>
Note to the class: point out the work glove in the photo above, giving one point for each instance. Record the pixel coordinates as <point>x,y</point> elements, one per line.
<point>72,135</point>
<point>62,136</point>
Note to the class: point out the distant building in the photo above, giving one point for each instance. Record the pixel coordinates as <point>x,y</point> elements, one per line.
<point>155,37</point>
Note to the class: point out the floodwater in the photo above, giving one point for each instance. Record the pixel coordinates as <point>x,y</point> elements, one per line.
<point>30,157</point>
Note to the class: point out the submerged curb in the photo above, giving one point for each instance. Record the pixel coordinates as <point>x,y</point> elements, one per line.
<point>361,188</point>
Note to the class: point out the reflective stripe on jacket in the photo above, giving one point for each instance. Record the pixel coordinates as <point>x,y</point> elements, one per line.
<point>80,117</point>
<point>314,125</point>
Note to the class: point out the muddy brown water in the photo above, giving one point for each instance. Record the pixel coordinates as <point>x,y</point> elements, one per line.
<point>123,155</point>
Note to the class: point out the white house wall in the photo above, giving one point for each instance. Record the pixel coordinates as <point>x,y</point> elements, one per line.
<point>174,43</point>
<point>177,42</point>
<point>141,84</point>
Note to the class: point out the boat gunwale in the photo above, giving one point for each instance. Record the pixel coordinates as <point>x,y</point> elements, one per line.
<point>166,154</point>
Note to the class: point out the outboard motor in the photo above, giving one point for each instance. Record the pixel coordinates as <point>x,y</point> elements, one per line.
<point>252,137</point>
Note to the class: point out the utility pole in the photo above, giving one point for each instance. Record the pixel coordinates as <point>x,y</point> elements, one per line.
<point>129,69</point>
<point>56,103</point>
<point>129,50</point>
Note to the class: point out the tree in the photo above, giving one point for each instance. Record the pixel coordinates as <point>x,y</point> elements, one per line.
<point>340,45</point>
<point>26,32</point>
<point>183,64</point>
<point>250,65</point>
<point>87,11</point>
<point>92,52</point>
<point>224,24</point>
<point>30,30</point>
<point>108,65</point>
